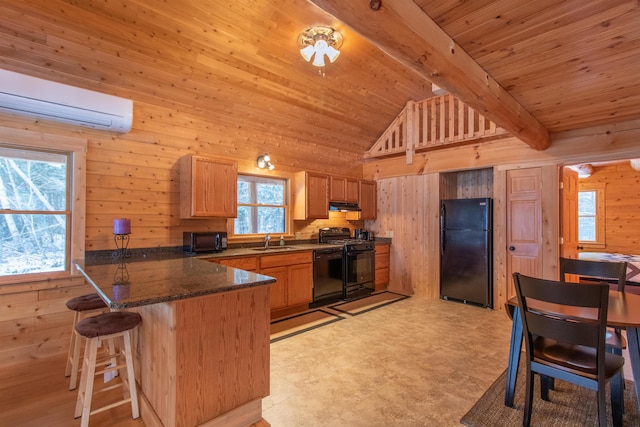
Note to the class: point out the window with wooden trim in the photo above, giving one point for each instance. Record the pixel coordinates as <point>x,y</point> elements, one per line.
<point>591,219</point>
<point>262,206</point>
<point>42,201</point>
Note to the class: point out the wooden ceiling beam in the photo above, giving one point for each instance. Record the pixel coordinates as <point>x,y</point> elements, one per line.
<point>402,30</point>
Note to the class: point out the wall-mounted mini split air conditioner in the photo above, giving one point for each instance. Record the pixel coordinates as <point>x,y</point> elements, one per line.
<point>44,99</point>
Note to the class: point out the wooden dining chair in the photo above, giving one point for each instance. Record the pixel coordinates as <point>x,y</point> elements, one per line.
<point>614,273</point>
<point>566,342</point>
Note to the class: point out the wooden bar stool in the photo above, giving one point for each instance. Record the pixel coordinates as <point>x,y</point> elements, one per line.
<point>107,326</point>
<point>83,307</point>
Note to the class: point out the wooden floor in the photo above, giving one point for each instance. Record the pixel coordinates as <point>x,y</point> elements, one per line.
<point>37,395</point>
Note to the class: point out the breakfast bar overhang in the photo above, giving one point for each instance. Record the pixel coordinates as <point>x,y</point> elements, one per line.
<point>202,350</point>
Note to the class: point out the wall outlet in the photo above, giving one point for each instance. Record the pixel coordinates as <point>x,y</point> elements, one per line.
<point>389,233</point>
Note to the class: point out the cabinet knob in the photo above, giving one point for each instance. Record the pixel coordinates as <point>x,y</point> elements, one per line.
<point>512,248</point>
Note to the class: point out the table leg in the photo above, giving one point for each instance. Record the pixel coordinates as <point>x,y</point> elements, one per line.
<point>514,357</point>
<point>633,341</point>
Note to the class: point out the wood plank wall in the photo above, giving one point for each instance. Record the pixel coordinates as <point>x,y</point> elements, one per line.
<point>136,175</point>
<point>407,195</point>
<point>408,211</point>
<point>143,185</point>
<point>622,206</point>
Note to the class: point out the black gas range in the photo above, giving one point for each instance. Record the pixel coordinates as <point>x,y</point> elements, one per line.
<point>358,263</point>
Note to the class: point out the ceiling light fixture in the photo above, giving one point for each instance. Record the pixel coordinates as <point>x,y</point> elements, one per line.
<point>584,170</point>
<point>317,42</point>
<point>264,162</point>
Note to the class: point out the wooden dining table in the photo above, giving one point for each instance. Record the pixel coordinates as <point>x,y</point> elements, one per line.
<point>624,312</point>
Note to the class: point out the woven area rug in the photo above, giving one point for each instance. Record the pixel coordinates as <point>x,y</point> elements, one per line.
<point>294,325</point>
<point>369,303</point>
<point>569,406</point>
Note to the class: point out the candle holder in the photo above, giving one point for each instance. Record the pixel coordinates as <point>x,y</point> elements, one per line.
<point>121,289</point>
<point>122,242</point>
<point>121,275</point>
<point>121,231</point>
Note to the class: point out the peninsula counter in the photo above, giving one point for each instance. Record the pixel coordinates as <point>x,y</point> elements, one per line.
<point>202,350</point>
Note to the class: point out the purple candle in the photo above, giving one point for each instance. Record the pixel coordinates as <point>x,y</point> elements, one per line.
<point>122,226</point>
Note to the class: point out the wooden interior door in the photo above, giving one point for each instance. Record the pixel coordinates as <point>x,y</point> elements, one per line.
<point>524,224</point>
<point>569,211</point>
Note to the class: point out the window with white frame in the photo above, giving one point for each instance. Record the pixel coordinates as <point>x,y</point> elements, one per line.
<point>591,219</point>
<point>42,205</point>
<point>262,205</point>
<point>35,211</point>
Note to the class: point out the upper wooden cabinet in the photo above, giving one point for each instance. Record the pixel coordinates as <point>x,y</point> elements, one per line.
<point>208,187</point>
<point>368,200</point>
<point>343,189</point>
<point>311,196</point>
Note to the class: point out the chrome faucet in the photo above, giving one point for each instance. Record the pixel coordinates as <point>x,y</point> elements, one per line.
<point>266,240</point>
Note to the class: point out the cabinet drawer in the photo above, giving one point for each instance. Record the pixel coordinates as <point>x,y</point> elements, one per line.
<point>382,249</point>
<point>267,261</point>
<point>382,257</point>
<point>247,263</point>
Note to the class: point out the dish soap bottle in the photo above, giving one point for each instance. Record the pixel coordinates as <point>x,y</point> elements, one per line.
<point>281,240</point>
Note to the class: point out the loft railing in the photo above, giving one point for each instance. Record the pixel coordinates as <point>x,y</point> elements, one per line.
<point>432,123</point>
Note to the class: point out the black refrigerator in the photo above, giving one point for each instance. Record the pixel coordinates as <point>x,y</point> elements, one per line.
<point>466,251</point>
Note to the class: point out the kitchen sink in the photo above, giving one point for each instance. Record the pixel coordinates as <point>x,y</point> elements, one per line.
<point>273,248</point>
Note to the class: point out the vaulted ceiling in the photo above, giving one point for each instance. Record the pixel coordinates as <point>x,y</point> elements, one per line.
<point>534,67</point>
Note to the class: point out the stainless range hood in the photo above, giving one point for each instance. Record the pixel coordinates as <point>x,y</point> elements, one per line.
<point>344,207</point>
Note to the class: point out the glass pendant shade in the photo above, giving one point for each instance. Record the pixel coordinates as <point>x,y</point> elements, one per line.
<point>317,42</point>
<point>307,52</point>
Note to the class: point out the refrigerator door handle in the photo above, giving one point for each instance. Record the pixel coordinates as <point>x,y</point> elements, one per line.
<point>442,240</point>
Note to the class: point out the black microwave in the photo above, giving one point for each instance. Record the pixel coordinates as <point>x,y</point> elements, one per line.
<point>197,242</point>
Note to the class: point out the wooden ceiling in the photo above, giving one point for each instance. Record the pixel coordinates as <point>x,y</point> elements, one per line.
<point>537,67</point>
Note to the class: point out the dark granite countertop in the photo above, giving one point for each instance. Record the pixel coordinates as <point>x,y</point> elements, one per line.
<point>144,282</point>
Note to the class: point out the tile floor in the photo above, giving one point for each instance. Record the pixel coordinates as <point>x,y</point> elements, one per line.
<point>417,362</point>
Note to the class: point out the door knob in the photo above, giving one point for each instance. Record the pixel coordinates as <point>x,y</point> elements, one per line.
<point>512,248</point>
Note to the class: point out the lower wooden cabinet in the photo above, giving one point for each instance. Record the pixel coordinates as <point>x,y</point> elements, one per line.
<point>300,284</point>
<point>382,266</point>
<point>293,273</point>
<point>279,289</point>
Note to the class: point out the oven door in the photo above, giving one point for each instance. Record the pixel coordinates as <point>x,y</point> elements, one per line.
<point>359,273</point>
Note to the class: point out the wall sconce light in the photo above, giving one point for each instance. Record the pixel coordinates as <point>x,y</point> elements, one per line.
<point>264,162</point>
<point>318,42</point>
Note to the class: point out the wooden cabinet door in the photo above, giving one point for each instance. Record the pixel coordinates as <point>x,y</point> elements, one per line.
<point>311,196</point>
<point>344,190</point>
<point>338,189</point>
<point>317,196</point>
<point>300,284</point>
<point>382,267</point>
<point>208,187</point>
<point>352,190</point>
<point>279,288</point>
<point>368,200</point>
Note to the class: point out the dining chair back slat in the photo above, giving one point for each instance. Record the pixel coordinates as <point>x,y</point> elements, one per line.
<point>609,271</point>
